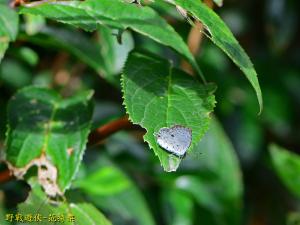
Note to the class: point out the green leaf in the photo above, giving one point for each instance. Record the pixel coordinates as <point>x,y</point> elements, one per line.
<point>224,179</point>
<point>220,34</point>
<point>199,190</point>
<point>115,14</point>
<point>49,132</point>
<point>114,53</point>
<point>14,74</point>
<point>27,55</point>
<point>293,218</point>
<point>38,204</point>
<point>79,45</point>
<point>212,178</point>
<point>179,207</point>
<point>33,23</point>
<point>3,47</point>
<point>110,188</point>
<point>157,95</point>
<point>109,181</point>
<point>9,22</point>
<point>287,166</point>
<point>87,214</point>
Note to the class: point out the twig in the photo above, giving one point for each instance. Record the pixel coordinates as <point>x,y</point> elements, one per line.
<point>5,176</point>
<point>96,137</point>
<point>195,39</point>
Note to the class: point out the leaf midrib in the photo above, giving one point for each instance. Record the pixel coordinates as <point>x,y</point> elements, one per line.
<point>169,94</point>
<point>48,129</point>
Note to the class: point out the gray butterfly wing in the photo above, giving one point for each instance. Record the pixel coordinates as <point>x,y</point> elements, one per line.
<point>176,139</point>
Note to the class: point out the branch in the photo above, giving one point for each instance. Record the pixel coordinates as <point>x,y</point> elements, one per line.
<point>5,176</point>
<point>96,137</point>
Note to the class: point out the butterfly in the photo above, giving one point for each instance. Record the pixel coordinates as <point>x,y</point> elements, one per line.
<point>175,140</point>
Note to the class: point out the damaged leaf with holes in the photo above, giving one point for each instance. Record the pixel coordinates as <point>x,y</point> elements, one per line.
<point>49,132</point>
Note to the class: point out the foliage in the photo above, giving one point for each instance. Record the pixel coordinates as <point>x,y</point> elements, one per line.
<point>73,74</point>
<point>287,165</point>
<point>164,98</point>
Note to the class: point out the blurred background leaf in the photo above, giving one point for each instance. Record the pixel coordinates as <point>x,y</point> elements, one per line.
<point>9,23</point>
<point>110,189</point>
<point>208,187</point>
<point>212,179</point>
<point>38,206</point>
<point>287,166</point>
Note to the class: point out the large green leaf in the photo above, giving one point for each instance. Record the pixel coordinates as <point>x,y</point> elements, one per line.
<point>116,14</point>
<point>216,183</point>
<point>157,95</point>
<point>38,205</point>
<point>9,22</point>
<point>220,174</point>
<point>287,166</point>
<point>220,34</point>
<point>49,132</point>
<point>112,190</point>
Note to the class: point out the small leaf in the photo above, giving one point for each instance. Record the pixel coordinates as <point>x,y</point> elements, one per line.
<point>49,132</point>
<point>79,45</point>
<point>179,207</point>
<point>14,74</point>
<point>114,53</point>
<point>113,191</point>
<point>220,34</point>
<point>33,24</point>
<point>9,22</point>
<point>287,166</point>
<point>105,181</point>
<point>38,205</point>
<point>115,14</point>
<point>27,55</point>
<point>157,95</point>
